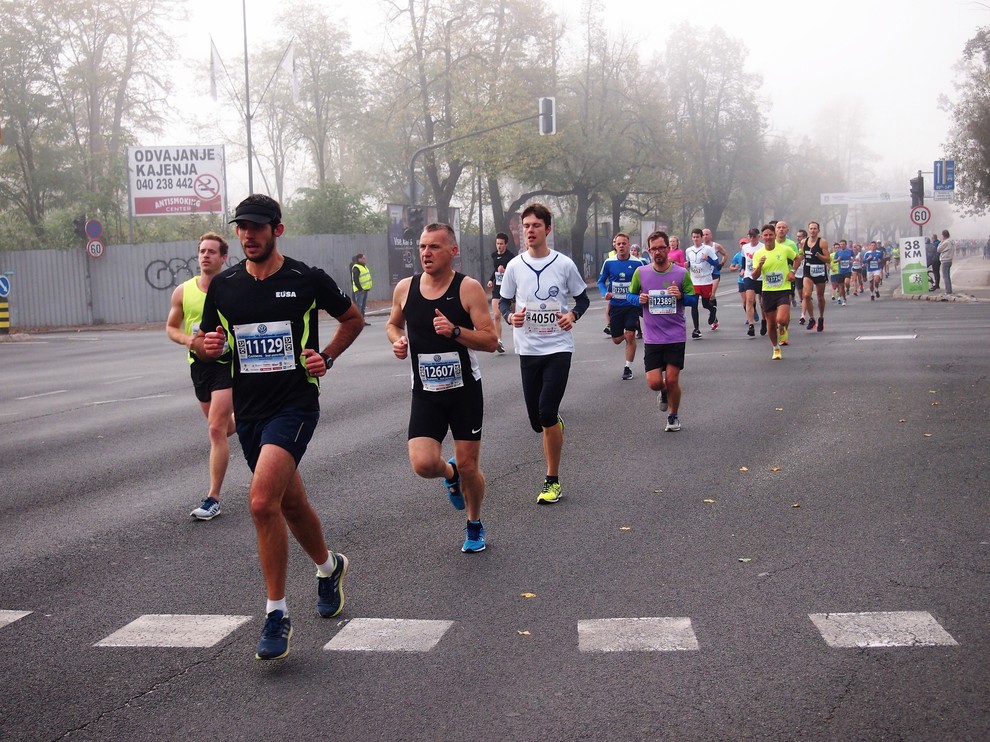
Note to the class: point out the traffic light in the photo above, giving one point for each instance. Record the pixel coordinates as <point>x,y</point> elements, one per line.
<point>548,116</point>
<point>415,223</point>
<point>918,191</point>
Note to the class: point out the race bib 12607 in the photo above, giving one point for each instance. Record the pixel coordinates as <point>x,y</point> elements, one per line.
<point>440,371</point>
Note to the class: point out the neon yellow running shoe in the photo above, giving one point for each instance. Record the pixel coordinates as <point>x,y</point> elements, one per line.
<point>776,355</point>
<point>783,336</point>
<point>550,493</point>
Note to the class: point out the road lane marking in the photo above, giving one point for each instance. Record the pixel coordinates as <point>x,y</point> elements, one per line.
<point>882,629</point>
<point>174,630</point>
<point>663,634</point>
<point>886,337</point>
<point>43,394</point>
<point>388,635</point>
<point>8,617</point>
<point>126,378</point>
<point>128,399</point>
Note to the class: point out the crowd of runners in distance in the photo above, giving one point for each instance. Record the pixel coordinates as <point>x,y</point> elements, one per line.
<point>774,273</point>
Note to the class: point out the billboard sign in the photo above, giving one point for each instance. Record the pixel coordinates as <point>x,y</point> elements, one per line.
<point>168,181</point>
<point>403,237</point>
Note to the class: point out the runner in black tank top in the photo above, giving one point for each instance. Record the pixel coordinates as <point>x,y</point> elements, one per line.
<point>423,338</point>
<point>441,337</point>
<point>816,262</point>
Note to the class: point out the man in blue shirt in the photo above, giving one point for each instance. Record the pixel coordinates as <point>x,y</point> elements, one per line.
<point>613,282</point>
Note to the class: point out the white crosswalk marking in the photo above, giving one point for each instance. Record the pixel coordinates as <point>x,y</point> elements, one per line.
<point>173,630</point>
<point>388,635</point>
<point>8,617</point>
<point>664,634</point>
<point>648,634</point>
<point>882,629</point>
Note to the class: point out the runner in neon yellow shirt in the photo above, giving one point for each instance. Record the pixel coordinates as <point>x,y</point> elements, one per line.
<point>775,263</point>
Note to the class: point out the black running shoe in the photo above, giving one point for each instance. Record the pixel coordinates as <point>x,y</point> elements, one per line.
<point>275,635</point>
<point>331,596</point>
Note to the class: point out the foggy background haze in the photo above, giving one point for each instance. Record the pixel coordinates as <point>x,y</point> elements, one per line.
<point>879,66</point>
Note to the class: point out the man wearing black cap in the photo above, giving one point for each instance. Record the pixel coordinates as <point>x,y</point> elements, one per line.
<point>265,310</point>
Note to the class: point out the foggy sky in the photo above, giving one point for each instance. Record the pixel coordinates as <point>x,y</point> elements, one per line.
<point>885,62</point>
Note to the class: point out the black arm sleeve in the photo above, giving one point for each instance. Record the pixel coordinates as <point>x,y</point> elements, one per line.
<point>581,303</point>
<point>504,306</point>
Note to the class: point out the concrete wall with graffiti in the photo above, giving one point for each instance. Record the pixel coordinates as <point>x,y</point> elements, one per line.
<point>132,284</point>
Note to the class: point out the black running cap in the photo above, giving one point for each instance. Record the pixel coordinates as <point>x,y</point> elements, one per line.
<point>259,213</point>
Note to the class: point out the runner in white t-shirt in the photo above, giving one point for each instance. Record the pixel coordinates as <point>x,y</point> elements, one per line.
<point>701,261</point>
<point>543,282</point>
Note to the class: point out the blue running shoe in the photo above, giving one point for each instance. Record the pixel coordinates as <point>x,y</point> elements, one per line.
<point>209,510</point>
<point>454,489</point>
<point>330,600</point>
<point>274,644</point>
<point>474,539</point>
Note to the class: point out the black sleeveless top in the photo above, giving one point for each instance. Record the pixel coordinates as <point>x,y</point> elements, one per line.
<point>813,254</point>
<point>426,345</point>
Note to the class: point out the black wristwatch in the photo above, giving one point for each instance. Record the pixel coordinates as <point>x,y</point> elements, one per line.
<point>327,360</point>
<point>457,332</point>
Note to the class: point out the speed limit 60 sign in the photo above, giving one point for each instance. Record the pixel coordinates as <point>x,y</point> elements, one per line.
<point>920,215</point>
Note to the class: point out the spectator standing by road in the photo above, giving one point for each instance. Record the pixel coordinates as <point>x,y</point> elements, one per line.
<point>934,261</point>
<point>946,253</point>
<point>360,282</point>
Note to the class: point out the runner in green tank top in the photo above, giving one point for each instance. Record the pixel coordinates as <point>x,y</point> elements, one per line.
<point>211,381</point>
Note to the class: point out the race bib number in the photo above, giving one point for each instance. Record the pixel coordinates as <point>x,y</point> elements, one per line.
<point>749,264</point>
<point>541,318</point>
<point>844,265</point>
<point>816,270</point>
<point>498,278</point>
<point>662,302</point>
<point>440,371</point>
<point>774,280</point>
<point>874,265</point>
<point>697,269</point>
<point>265,347</point>
<point>620,289</point>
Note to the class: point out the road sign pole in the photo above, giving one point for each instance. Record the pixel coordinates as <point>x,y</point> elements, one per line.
<point>921,226</point>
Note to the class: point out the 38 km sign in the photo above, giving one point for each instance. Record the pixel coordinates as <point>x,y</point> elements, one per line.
<point>920,215</point>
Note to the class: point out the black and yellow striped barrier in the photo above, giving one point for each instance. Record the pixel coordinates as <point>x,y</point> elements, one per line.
<point>4,317</point>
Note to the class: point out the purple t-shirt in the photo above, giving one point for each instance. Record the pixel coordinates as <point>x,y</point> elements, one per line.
<point>663,316</point>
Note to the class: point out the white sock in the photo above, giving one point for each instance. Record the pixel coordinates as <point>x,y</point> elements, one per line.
<point>277,605</point>
<point>628,364</point>
<point>326,569</point>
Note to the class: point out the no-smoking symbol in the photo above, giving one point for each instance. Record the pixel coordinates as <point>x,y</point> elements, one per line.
<point>206,187</point>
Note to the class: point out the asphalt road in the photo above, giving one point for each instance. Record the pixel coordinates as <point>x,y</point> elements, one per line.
<point>849,478</point>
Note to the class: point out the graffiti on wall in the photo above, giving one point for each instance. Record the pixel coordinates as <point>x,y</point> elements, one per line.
<point>166,274</point>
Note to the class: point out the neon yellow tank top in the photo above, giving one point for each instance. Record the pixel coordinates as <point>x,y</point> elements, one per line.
<point>193,298</point>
